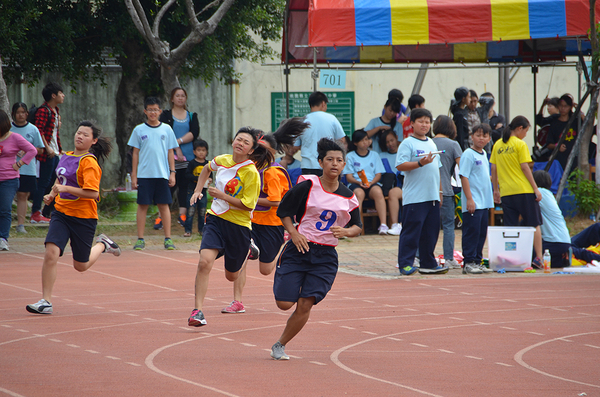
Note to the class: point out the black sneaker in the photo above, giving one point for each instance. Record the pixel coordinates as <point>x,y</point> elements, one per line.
<point>254,251</point>
<point>436,270</point>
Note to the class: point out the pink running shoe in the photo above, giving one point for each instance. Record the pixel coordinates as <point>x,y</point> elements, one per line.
<point>234,307</point>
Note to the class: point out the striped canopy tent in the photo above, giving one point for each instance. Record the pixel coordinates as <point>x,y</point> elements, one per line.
<point>437,30</point>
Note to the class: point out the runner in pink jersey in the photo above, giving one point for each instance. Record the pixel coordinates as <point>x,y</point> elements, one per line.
<point>308,263</point>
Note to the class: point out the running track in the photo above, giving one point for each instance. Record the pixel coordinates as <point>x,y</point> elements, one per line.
<point>120,329</point>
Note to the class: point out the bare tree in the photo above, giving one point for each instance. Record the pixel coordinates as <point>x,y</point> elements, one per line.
<point>171,60</point>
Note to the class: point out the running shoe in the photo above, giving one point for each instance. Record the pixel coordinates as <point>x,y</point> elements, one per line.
<point>169,244</point>
<point>254,251</point>
<point>408,270</point>
<point>452,264</point>
<point>485,269</point>
<point>41,307</point>
<point>234,307</point>
<point>417,262</point>
<point>383,229</point>
<point>278,352</point>
<point>439,269</point>
<point>395,229</point>
<point>537,263</point>
<point>471,268</point>
<point>37,217</point>
<point>3,244</point>
<point>21,229</point>
<point>158,224</point>
<point>181,220</point>
<point>109,246</point>
<point>196,319</point>
<point>140,244</point>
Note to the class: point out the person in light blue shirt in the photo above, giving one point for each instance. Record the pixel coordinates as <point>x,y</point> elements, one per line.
<point>27,172</point>
<point>369,164</point>
<point>153,169</point>
<point>422,193</point>
<point>555,234</point>
<point>476,200</point>
<point>322,125</point>
<point>387,121</point>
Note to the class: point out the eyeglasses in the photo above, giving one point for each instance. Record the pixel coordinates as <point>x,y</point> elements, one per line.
<point>153,110</point>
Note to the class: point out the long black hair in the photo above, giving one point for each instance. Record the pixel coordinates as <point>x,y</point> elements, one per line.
<point>519,121</point>
<point>285,136</point>
<point>394,103</point>
<point>101,149</point>
<point>17,106</point>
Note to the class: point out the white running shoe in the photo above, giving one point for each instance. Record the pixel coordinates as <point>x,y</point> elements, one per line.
<point>109,246</point>
<point>395,229</point>
<point>452,264</point>
<point>383,229</point>
<point>3,244</point>
<point>41,307</point>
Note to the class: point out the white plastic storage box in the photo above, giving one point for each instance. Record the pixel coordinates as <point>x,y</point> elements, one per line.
<point>510,248</point>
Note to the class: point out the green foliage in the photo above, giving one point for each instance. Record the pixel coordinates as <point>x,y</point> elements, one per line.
<point>586,192</point>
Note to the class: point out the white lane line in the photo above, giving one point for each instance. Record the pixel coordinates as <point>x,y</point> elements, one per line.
<point>21,330</point>
<point>565,340</point>
<point>509,328</point>
<point>474,358</point>
<point>535,333</point>
<point>410,309</point>
<point>419,345</point>
<point>325,322</point>
<point>317,363</point>
<point>510,300</point>
<point>432,314</point>
<point>426,285</point>
<point>149,319</point>
<point>112,357</point>
<point>82,304</point>
<point>446,351</point>
<point>364,300</point>
<point>166,323</point>
<point>248,344</point>
<point>533,304</point>
<point>503,364</point>
<point>187,328</point>
<point>98,307</point>
<point>55,340</point>
<point>226,339</point>
<point>262,309</point>
<point>134,364</point>
<point>10,392</point>
<point>92,351</point>
<point>479,322</point>
<point>457,318</point>
<point>557,309</point>
<point>347,327</point>
<point>595,347</point>
<point>445,289</point>
<point>7,326</point>
<point>386,305</point>
<point>467,293</point>
<point>132,315</point>
<point>72,345</point>
<point>68,300</point>
<point>396,339</point>
<point>348,297</point>
<point>369,333</point>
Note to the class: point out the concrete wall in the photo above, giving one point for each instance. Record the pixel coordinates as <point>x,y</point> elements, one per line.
<point>252,96</point>
<point>95,101</point>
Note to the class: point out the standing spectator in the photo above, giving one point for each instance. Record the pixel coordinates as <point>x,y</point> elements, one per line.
<point>557,123</point>
<point>27,173</point>
<point>47,121</point>
<point>195,167</point>
<point>513,182</point>
<point>422,193</point>
<point>445,132</point>
<point>10,145</point>
<point>391,179</point>
<point>153,169</point>
<point>496,121</point>
<point>386,122</point>
<point>322,125</point>
<point>186,128</point>
<point>472,114</point>
<point>460,115</point>
<point>415,101</point>
<point>476,199</point>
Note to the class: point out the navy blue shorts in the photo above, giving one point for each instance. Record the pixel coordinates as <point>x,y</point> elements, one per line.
<point>354,186</point>
<point>153,191</point>
<point>305,275</point>
<point>269,240</point>
<point>80,231</point>
<point>27,184</point>
<point>230,239</point>
<point>524,205</point>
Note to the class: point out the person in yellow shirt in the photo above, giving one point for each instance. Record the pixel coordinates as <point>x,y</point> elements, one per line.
<point>75,214</point>
<point>227,231</point>
<point>513,182</point>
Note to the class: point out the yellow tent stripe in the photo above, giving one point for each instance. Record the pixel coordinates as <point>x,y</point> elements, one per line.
<point>510,19</point>
<point>410,22</point>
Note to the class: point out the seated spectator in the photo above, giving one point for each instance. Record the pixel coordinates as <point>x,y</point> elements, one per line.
<point>363,171</point>
<point>415,101</point>
<point>385,122</point>
<point>557,123</point>
<point>555,234</point>
<point>396,93</point>
<point>391,179</point>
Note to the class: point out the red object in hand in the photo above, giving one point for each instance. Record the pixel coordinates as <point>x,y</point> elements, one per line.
<point>363,177</point>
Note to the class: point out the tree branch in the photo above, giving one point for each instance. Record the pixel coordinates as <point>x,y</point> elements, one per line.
<point>161,13</point>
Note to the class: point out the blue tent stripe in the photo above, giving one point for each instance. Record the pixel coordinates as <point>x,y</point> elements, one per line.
<point>373,19</point>
<point>547,18</point>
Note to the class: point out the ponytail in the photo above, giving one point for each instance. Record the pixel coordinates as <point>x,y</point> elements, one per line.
<point>269,144</point>
<point>101,149</point>
<point>519,121</point>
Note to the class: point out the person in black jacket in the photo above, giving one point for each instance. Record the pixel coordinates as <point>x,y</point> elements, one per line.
<point>187,128</point>
<point>460,114</point>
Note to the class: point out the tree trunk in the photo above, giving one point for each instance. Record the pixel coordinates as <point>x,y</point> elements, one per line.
<point>168,76</point>
<point>130,98</point>
<point>584,145</point>
<point>4,102</point>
